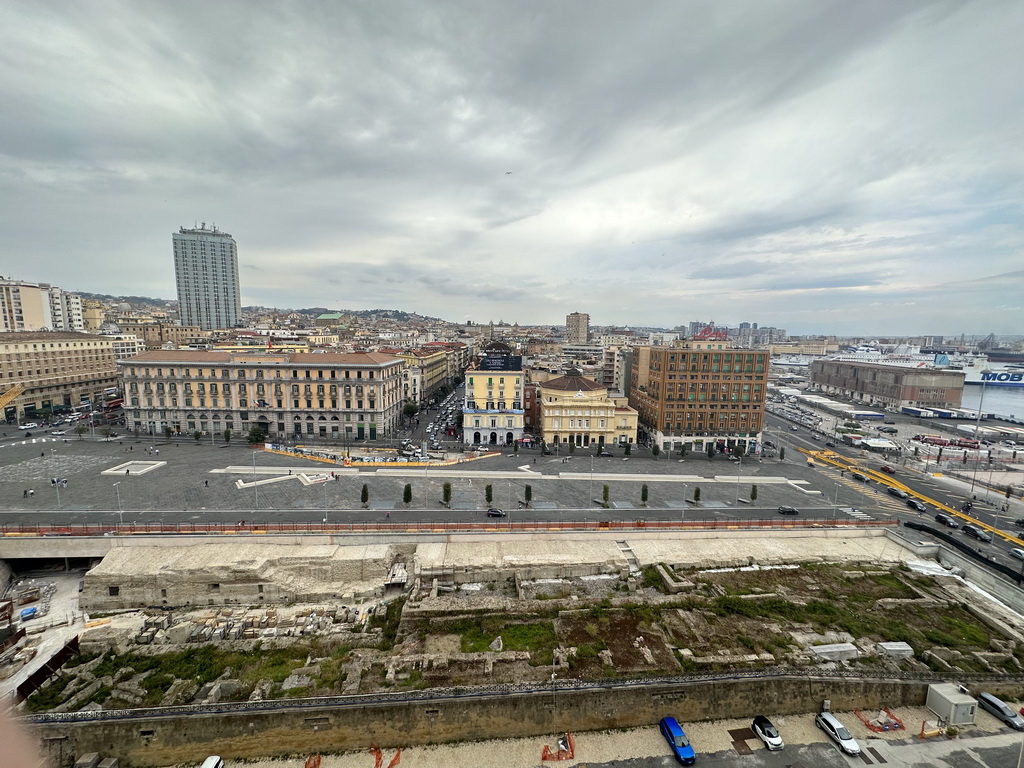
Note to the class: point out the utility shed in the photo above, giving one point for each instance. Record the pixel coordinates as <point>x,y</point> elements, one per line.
<point>951,704</point>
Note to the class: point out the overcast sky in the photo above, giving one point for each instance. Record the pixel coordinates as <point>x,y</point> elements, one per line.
<point>824,167</point>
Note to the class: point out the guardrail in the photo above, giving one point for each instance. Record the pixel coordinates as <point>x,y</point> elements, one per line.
<point>506,689</point>
<point>427,526</point>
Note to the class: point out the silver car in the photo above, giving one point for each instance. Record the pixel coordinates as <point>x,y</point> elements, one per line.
<point>836,731</point>
<point>999,709</point>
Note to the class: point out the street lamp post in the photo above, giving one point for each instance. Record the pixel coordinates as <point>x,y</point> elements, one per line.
<point>591,502</point>
<point>120,509</point>
<point>256,488</point>
<point>977,431</point>
<point>739,466</point>
<point>682,512</point>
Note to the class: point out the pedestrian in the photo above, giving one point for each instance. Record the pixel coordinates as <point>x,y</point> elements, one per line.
<point>131,448</point>
<point>127,471</point>
<point>157,451</point>
<point>42,454</point>
<point>389,514</point>
<point>24,494</point>
<point>31,492</point>
<point>207,483</point>
<point>535,461</point>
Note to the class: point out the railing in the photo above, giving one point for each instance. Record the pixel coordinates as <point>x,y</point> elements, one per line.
<point>505,689</point>
<point>428,526</point>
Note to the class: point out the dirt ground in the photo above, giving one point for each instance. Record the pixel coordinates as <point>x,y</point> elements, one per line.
<point>604,746</point>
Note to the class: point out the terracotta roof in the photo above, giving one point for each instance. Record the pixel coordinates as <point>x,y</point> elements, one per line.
<point>572,384</point>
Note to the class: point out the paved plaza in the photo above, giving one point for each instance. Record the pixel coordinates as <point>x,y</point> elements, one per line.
<point>145,478</point>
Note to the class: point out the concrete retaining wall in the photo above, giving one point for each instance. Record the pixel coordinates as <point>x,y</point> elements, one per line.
<point>164,741</point>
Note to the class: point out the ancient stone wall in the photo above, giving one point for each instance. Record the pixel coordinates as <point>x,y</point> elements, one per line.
<point>162,741</point>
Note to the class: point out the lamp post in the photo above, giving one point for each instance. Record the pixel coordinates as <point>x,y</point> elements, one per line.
<point>591,502</point>
<point>256,488</point>
<point>977,430</point>
<point>739,466</point>
<point>120,510</point>
<point>835,505</point>
<point>682,512</point>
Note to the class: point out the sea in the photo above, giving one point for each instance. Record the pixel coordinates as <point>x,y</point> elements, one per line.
<point>1002,401</point>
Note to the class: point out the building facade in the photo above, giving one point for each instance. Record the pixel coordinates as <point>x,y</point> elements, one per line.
<point>889,386</point>
<point>580,411</point>
<point>57,371</point>
<point>28,306</point>
<point>696,392</point>
<point>577,328</point>
<point>316,396</point>
<point>206,274</point>
<point>492,412</point>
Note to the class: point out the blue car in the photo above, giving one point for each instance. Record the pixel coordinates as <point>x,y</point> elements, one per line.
<point>677,741</point>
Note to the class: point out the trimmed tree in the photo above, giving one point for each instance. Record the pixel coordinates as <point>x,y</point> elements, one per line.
<point>168,432</point>
<point>782,453</point>
<point>256,436</point>
<point>407,493</point>
<point>572,448</point>
<point>683,450</point>
<point>446,493</point>
<point>629,448</point>
<point>489,493</point>
<point>604,495</point>
<point>655,450</point>
<point>738,452</point>
<point>696,494</point>
<point>528,493</point>
<point>197,435</point>
<point>643,494</point>
<point>711,450</point>
<point>80,430</point>
<point>753,493</point>
<point>410,409</point>
<point>364,495</point>
<point>227,435</point>
<point>515,447</point>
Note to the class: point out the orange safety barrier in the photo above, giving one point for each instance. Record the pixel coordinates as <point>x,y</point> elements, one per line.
<point>566,749</point>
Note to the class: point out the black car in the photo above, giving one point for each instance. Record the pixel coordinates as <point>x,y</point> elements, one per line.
<point>947,521</point>
<point>977,533</point>
<point>789,511</point>
<point>899,494</point>
<point>859,476</point>
<point>830,445</point>
<point>495,512</point>
<point>916,505</point>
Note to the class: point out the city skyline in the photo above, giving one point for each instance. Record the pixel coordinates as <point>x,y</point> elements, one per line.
<point>828,168</point>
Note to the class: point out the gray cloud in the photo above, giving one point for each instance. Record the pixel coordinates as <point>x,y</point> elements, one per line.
<point>779,163</point>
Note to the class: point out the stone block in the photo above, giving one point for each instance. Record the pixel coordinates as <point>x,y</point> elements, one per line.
<point>89,760</point>
<point>835,651</point>
<point>896,650</point>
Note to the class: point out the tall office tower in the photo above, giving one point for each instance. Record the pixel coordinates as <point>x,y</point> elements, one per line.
<point>577,328</point>
<point>206,272</point>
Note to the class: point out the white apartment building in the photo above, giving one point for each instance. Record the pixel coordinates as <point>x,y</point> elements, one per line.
<point>206,274</point>
<point>28,306</point>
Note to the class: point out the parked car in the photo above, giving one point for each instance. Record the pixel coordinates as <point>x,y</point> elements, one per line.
<point>789,511</point>
<point>767,732</point>
<point>836,731</point>
<point>916,505</point>
<point>887,468</point>
<point>947,521</point>
<point>677,741</point>
<point>495,512</point>
<point>898,493</point>
<point>977,533</point>
<point>998,707</point>
<point>603,452</point>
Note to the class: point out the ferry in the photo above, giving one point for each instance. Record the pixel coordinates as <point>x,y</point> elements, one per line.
<point>1009,376</point>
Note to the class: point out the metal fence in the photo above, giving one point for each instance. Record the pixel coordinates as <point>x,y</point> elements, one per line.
<point>687,522</point>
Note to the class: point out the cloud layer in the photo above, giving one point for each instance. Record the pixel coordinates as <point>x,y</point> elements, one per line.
<point>827,167</point>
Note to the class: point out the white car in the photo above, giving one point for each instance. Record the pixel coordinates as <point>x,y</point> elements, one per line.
<point>31,425</point>
<point>836,731</point>
<point>768,733</point>
<point>58,432</point>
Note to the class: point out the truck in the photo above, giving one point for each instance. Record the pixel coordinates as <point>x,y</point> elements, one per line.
<point>921,413</point>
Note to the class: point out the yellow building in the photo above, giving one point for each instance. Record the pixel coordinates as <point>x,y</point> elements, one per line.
<point>492,413</point>
<point>578,410</point>
<point>425,371</point>
<point>322,396</point>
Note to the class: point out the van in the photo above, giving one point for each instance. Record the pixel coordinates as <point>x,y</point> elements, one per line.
<point>213,762</point>
<point>836,731</point>
<point>999,709</point>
